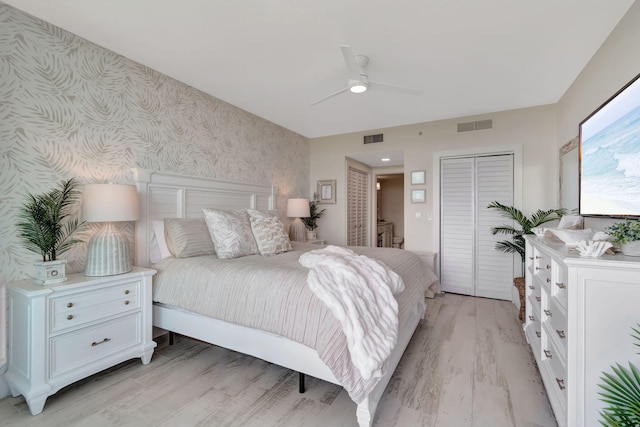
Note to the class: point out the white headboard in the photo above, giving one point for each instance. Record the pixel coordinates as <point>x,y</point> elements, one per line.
<point>163,195</point>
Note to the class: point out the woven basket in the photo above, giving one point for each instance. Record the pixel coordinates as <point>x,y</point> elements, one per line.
<point>519,283</point>
<point>631,248</point>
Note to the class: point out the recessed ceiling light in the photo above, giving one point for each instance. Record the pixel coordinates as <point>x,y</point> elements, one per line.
<point>385,159</point>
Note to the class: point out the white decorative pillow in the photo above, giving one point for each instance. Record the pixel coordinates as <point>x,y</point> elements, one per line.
<point>187,237</point>
<point>158,250</point>
<point>270,235</point>
<point>255,213</point>
<point>231,233</point>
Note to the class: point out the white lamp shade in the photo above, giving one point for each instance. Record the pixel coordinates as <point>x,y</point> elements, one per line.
<point>109,203</point>
<point>298,208</point>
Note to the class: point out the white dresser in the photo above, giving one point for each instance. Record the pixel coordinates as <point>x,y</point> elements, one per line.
<point>579,315</point>
<point>65,332</point>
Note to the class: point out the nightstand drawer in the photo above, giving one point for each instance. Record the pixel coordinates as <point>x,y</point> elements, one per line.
<point>81,308</point>
<point>71,351</point>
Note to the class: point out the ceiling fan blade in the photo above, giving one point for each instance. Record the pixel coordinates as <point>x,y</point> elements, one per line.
<point>403,88</point>
<point>352,65</point>
<point>329,96</point>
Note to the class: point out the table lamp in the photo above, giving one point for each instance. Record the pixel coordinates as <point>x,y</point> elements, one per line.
<point>108,253</point>
<point>298,208</point>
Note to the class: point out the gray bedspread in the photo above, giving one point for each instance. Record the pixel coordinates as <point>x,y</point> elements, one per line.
<point>271,294</point>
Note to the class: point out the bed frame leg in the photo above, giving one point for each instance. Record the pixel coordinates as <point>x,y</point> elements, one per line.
<point>171,337</point>
<point>301,383</point>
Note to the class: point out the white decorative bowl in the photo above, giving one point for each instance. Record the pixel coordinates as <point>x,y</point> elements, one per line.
<point>592,248</point>
<point>571,237</point>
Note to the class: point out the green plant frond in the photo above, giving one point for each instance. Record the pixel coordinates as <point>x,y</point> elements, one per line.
<point>509,212</point>
<point>505,229</point>
<point>540,217</point>
<point>509,247</point>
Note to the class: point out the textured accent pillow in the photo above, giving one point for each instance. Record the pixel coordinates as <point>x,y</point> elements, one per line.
<point>231,233</point>
<point>187,237</point>
<point>270,235</point>
<point>255,213</point>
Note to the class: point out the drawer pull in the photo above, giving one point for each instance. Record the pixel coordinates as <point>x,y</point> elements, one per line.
<point>531,258</point>
<point>547,312</point>
<point>126,292</point>
<point>69,317</point>
<point>93,344</point>
<point>69,304</point>
<point>538,334</point>
<point>561,334</point>
<point>548,267</point>
<point>548,354</point>
<point>532,287</point>
<point>537,257</point>
<point>538,299</point>
<point>548,280</point>
<point>560,285</point>
<point>126,302</point>
<point>537,268</point>
<point>560,383</point>
<point>532,318</point>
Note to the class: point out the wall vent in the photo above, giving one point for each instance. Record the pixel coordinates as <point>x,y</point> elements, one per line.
<point>372,139</point>
<point>479,125</point>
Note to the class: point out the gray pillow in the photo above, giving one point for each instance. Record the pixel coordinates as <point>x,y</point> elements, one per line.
<point>188,237</point>
<point>269,233</point>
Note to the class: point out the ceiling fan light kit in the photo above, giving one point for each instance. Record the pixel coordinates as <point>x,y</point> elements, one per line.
<point>358,80</point>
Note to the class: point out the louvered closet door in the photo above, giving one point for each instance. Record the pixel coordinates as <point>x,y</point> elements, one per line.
<point>470,264</point>
<point>357,208</point>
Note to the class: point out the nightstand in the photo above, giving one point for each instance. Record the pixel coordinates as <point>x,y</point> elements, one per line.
<point>317,241</point>
<point>61,333</point>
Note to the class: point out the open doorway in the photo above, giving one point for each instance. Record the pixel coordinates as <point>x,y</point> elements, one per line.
<point>390,210</point>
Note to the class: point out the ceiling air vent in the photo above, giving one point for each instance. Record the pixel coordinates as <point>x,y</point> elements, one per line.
<point>372,139</point>
<point>479,125</point>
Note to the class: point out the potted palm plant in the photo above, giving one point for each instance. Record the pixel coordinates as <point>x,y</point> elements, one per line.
<point>516,244</point>
<point>627,235</point>
<point>311,221</point>
<point>46,227</point>
<point>620,390</point>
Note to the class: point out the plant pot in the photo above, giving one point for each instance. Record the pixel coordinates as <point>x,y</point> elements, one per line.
<point>631,248</point>
<point>519,283</point>
<point>312,235</point>
<point>50,272</point>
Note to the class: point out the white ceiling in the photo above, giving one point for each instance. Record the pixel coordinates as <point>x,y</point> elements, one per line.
<point>274,58</point>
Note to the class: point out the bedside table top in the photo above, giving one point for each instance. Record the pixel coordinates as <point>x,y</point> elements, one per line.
<point>76,279</point>
<point>317,242</point>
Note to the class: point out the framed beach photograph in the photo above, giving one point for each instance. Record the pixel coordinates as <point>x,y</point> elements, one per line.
<point>417,178</point>
<point>327,191</point>
<point>419,196</point>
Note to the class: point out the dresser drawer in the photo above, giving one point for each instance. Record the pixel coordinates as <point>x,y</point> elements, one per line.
<point>541,267</point>
<point>73,350</point>
<point>93,305</point>
<point>556,377</point>
<point>555,322</point>
<point>559,285</point>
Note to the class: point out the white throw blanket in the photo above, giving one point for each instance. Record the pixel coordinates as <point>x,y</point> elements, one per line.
<point>359,292</point>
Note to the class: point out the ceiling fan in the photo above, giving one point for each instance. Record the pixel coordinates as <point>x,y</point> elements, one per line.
<point>358,80</point>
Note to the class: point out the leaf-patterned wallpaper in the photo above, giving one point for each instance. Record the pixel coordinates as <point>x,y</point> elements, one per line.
<point>71,108</point>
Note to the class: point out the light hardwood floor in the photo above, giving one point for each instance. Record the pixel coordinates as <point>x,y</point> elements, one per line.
<point>467,365</point>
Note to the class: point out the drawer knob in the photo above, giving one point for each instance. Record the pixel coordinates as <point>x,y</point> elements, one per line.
<point>126,292</point>
<point>69,304</point>
<point>69,317</point>
<point>548,267</point>
<point>537,257</point>
<point>532,288</point>
<point>561,334</point>
<point>93,344</point>
<point>126,302</point>
<point>548,280</point>
<point>548,354</point>
<point>532,318</point>
<point>547,312</point>
<point>538,334</point>
<point>560,383</point>
<point>537,268</point>
<point>560,285</point>
<point>538,299</point>
<point>531,258</point>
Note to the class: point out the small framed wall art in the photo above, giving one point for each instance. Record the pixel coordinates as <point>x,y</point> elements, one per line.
<point>417,178</point>
<point>327,191</point>
<point>419,196</point>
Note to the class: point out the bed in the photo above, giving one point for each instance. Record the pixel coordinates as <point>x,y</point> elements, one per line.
<point>311,345</point>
